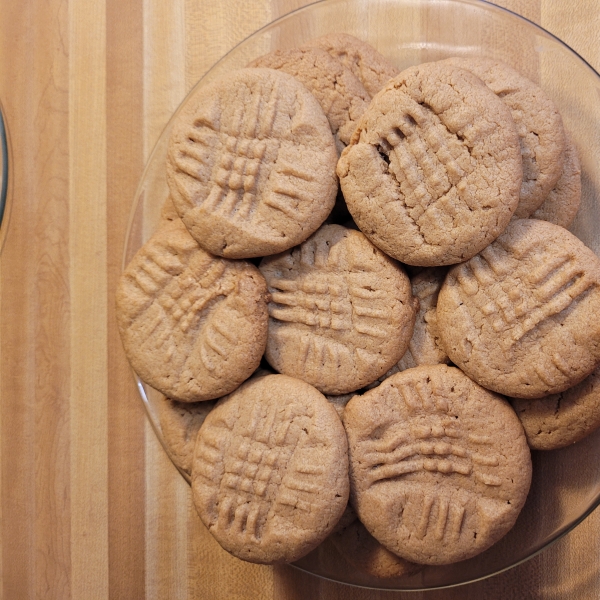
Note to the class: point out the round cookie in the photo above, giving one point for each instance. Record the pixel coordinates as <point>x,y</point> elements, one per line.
<point>339,92</point>
<point>562,203</point>
<point>366,554</point>
<point>270,470</point>
<point>433,172</point>
<point>520,318</point>
<point>251,164</point>
<point>179,424</point>
<point>372,68</point>
<point>439,466</point>
<point>193,326</point>
<point>561,419</point>
<point>538,124</point>
<point>341,311</point>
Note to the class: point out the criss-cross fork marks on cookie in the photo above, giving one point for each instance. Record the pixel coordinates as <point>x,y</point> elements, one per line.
<point>217,342</point>
<point>432,455</point>
<point>179,299</point>
<point>330,305</point>
<point>517,296</point>
<point>258,477</point>
<point>234,187</point>
<point>328,301</point>
<point>247,152</point>
<point>436,515</point>
<point>432,441</point>
<point>322,294</point>
<point>425,159</point>
<point>446,516</point>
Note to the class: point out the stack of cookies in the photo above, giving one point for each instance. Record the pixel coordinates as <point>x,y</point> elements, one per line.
<point>362,305</point>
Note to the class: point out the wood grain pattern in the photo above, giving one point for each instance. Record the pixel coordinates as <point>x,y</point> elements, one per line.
<point>90,506</point>
<point>87,245</point>
<point>124,444</point>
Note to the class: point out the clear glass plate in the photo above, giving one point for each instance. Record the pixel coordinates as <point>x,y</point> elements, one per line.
<point>566,483</point>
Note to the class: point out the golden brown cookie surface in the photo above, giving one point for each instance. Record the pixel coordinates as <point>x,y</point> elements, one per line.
<point>251,164</point>
<point>439,466</point>
<point>520,318</point>
<point>371,67</point>
<point>433,172</point>
<point>425,346</point>
<point>270,471</point>
<point>538,124</point>
<point>562,203</point>
<point>193,325</point>
<point>179,424</point>
<point>339,92</point>
<point>561,419</point>
<point>341,312</point>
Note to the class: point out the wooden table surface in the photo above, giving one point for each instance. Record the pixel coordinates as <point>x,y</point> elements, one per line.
<point>90,506</point>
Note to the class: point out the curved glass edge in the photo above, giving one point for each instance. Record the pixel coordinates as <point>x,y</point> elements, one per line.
<point>488,5</point>
<point>553,540</point>
<point>154,423</point>
<point>4,174</point>
<point>549,34</point>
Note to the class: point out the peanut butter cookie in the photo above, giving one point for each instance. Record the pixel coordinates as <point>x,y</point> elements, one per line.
<point>372,68</point>
<point>251,164</point>
<point>562,203</point>
<point>561,419</point>
<point>520,318</point>
<point>538,124</point>
<point>193,326</point>
<point>339,92</point>
<point>341,311</point>
<point>439,466</point>
<point>270,470</point>
<point>433,172</point>
<point>179,424</point>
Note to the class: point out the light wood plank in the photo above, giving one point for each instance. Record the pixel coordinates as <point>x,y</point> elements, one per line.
<point>126,463</point>
<point>164,65</point>
<point>35,308</point>
<point>166,521</point>
<point>17,390</point>
<point>49,186</point>
<point>213,28</point>
<point>87,270</point>
<point>167,496</point>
